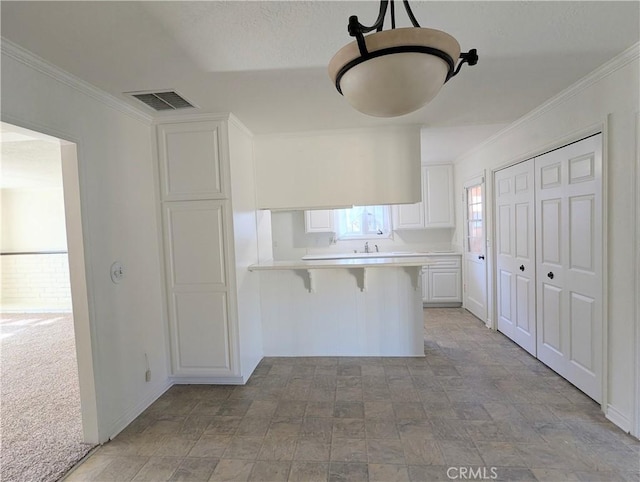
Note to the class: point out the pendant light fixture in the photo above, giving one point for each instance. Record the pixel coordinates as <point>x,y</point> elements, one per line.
<point>395,72</point>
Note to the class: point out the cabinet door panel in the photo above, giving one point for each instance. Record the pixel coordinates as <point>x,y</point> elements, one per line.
<point>197,287</point>
<point>408,216</point>
<point>437,196</point>
<point>190,161</point>
<point>444,285</point>
<point>318,221</point>
<point>202,332</point>
<point>196,244</point>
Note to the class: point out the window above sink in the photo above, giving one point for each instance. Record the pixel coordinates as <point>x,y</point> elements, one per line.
<point>363,222</point>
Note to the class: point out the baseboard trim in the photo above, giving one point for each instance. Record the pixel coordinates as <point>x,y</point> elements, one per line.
<point>207,380</point>
<point>122,422</point>
<point>617,418</point>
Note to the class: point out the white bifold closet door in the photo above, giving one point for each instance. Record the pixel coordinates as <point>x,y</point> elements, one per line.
<point>569,262</point>
<point>515,250</point>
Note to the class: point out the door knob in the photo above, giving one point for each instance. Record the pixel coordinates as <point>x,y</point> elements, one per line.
<point>550,274</point>
<point>481,257</point>
<point>522,267</point>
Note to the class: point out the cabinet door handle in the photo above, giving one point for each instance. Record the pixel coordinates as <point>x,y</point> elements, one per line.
<point>481,257</point>
<point>550,274</point>
<point>522,267</point>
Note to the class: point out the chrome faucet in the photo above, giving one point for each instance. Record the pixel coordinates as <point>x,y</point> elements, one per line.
<point>366,247</point>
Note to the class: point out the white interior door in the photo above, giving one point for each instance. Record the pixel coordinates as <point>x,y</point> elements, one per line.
<point>475,266</point>
<point>515,254</point>
<point>569,262</point>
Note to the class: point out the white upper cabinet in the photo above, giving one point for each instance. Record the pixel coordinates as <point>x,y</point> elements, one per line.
<point>191,165</point>
<point>437,195</point>
<point>408,216</point>
<point>436,209</point>
<point>319,221</point>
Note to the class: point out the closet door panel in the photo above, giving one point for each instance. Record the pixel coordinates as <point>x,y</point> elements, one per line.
<point>569,253</point>
<point>515,254</point>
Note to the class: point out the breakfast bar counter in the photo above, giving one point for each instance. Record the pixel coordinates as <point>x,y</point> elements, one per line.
<point>368,306</point>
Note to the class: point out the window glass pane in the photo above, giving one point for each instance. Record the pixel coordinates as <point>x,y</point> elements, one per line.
<point>363,222</point>
<point>475,245</point>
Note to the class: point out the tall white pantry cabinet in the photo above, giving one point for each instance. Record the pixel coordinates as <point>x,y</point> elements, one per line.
<point>207,187</point>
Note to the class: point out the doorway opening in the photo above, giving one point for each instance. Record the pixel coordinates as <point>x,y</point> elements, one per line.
<point>48,417</point>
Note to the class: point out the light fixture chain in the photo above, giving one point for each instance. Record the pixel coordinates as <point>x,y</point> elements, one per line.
<point>412,17</point>
<point>393,14</point>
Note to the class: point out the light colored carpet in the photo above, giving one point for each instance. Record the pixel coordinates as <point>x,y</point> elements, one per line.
<point>40,418</point>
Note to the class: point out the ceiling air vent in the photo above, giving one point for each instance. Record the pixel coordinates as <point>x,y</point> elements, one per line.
<point>166,100</point>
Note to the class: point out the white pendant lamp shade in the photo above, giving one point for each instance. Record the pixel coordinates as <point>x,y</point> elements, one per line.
<point>403,70</point>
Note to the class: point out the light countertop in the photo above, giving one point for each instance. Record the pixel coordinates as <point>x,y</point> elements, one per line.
<point>343,263</point>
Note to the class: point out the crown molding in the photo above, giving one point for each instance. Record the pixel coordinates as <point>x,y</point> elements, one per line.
<point>220,116</point>
<point>616,63</point>
<point>31,60</point>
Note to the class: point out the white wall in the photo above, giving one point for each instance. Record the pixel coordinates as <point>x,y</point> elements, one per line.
<point>119,223</point>
<point>338,168</point>
<point>606,99</point>
<point>290,241</point>
<point>33,220</point>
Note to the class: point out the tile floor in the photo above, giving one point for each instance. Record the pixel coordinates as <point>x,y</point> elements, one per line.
<point>476,406</point>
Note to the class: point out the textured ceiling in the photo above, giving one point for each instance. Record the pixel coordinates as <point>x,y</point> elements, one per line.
<point>266,61</point>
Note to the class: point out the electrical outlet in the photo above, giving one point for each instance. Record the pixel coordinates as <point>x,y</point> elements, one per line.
<point>147,376</point>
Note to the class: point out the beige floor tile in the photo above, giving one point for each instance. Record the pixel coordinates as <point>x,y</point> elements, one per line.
<point>377,428</point>
<point>232,470</point>
<point>319,409</point>
<point>312,451</point>
<point>174,446</point>
<point>348,450</point>
<point>210,446</point>
<point>262,408</point>
<point>421,451</point>
<point>270,471</point>
<point>90,468</point>
<point>348,428</point>
<point>459,452</point>
<point>158,469</point>
<point>309,472</point>
<point>278,447</point>
<point>378,410</point>
<point>121,469</point>
<point>243,448</point>
<point>253,427</point>
<point>385,451</point>
<point>351,472</point>
<point>388,473</point>
<point>194,469</point>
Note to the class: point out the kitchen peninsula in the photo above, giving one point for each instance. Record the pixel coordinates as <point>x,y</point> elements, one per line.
<point>342,307</point>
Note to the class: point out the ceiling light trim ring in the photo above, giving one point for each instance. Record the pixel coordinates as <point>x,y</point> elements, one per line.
<point>422,49</point>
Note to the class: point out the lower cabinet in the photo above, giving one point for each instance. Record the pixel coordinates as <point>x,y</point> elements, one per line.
<point>441,282</point>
